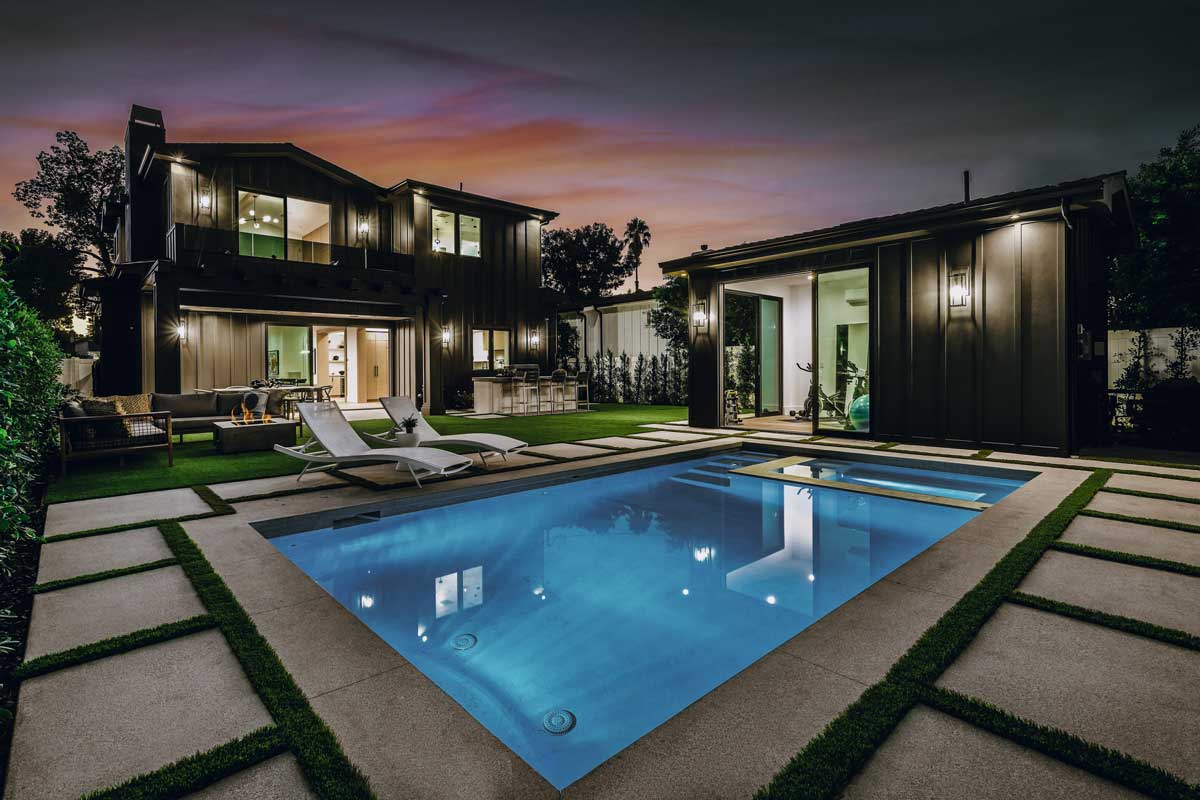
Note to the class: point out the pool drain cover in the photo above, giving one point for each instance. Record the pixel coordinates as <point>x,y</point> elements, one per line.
<point>558,721</point>
<point>465,641</point>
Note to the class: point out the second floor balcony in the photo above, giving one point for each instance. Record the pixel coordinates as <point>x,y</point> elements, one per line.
<point>187,243</point>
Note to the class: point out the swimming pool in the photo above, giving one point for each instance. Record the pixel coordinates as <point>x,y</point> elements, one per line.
<point>573,619</point>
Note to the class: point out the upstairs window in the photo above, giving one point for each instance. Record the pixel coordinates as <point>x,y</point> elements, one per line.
<point>443,231</point>
<point>283,228</point>
<point>456,233</point>
<point>468,235</point>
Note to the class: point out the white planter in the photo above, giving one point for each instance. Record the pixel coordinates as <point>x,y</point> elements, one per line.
<point>407,439</point>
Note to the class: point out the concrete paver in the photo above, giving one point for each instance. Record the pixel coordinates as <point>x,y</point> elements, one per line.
<point>103,512</point>
<point>66,618</point>
<point>75,557</point>
<point>1117,690</point>
<point>100,723</point>
<point>1130,537</point>
<point>278,778</point>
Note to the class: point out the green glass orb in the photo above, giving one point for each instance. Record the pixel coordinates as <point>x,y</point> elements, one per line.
<point>860,413</point>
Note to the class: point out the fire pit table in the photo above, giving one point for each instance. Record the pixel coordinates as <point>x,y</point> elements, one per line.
<point>242,437</point>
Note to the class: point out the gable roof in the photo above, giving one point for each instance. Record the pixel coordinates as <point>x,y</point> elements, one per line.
<point>1107,190</point>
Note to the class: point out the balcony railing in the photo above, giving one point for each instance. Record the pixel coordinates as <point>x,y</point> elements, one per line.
<point>184,241</point>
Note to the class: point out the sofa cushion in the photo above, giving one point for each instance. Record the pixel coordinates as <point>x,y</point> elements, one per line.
<point>132,403</point>
<point>112,430</point>
<point>186,405</point>
<point>72,408</point>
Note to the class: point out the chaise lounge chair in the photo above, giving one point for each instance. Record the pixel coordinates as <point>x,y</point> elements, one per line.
<point>335,443</point>
<point>401,408</point>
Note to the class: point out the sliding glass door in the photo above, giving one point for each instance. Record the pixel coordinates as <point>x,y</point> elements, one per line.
<point>752,351</point>
<point>770,347</point>
<point>289,354</point>
<point>843,350</point>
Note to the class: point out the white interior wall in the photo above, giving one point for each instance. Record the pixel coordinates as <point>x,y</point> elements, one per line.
<point>796,291</point>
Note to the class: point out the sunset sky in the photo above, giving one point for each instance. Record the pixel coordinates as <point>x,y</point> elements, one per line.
<point>716,126</point>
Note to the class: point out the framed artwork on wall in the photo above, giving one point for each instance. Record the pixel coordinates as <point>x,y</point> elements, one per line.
<point>272,363</point>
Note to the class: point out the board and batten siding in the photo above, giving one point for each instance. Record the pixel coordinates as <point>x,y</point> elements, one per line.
<point>620,328</point>
<point>222,349</point>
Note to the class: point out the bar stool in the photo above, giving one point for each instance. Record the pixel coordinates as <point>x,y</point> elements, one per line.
<point>527,391</point>
<point>582,394</point>
<point>558,389</point>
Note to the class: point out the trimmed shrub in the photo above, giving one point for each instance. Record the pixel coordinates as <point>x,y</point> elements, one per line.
<point>30,395</point>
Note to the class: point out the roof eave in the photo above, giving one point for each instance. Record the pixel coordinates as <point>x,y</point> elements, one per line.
<point>432,189</point>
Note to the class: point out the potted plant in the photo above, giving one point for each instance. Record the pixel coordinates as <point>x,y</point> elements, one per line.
<point>410,437</point>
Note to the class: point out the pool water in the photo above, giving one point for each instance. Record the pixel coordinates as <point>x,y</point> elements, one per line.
<point>936,482</point>
<point>572,620</point>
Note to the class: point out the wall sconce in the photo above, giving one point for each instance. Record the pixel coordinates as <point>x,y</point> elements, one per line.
<point>181,332</point>
<point>205,201</point>
<point>364,227</point>
<point>700,314</point>
<point>446,336</point>
<point>959,292</point>
<point>534,339</point>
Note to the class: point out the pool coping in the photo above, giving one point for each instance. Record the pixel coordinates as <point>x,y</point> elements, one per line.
<point>934,579</point>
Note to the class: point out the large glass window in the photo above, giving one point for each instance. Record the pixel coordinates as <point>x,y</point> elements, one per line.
<point>468,234</point>
<point>277,227</point>
<point>289,354</point>
<point>489,349</point>
<point>260,225</point>
<point>844,349</point>
<point>308,231</point>
<point>443,231</point>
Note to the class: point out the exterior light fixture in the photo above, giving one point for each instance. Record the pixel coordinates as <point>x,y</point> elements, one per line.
<point>700,314</point>
<point>181,332</point>
<point>446,336</point>
<point>205,201</point>
<point>958,290</point>
<point>1015,217</point>
<point>534,339</point>
<point>812,276</point>
<point>363,228</point>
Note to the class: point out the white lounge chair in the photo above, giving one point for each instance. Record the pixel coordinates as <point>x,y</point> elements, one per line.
<point>401,408</point>
<point>335,443</point>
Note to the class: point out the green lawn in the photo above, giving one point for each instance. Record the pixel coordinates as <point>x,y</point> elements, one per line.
<point>197,462</point>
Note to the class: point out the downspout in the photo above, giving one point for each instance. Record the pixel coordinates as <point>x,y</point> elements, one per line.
<point>1062,209</point>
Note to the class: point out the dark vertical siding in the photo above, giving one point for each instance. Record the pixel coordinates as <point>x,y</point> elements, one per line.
<point>890,389</point>
<point>704,375</point>
<point>925,339</point>
<point>960,342</point>
<point>998,297</point>
<point>1043,335</point>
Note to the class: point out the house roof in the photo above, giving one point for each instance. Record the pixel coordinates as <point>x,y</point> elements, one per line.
<point>1107,190</point>
<point>204,150</point>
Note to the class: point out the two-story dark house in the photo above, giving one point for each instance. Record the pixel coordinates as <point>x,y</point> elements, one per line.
<point>241,261</point>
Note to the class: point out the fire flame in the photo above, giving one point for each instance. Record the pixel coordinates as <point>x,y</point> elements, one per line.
<point>244,416</point>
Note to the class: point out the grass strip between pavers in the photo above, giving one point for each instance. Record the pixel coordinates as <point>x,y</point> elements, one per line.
<point>130,526</point>
<point>217,503</point>
<point>827,763</point>
<point>1132,559</point>
<point>112,646</point>
<point>1157,523</point>
<point>92,577</point>
<point>1152,495</point>
<point>1137,627</point>
<point>197,771</point>
<point>325,765</point>
<point>1112,765</point>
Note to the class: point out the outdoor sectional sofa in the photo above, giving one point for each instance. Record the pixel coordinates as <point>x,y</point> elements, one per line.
<point>93,434</point>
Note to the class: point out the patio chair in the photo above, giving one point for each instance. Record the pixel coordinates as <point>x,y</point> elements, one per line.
<point>335,443</point>
<point>401,408</point>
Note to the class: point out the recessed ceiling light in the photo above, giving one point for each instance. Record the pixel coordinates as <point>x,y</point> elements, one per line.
<point>1015,217</point>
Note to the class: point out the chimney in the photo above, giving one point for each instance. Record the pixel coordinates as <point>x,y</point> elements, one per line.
<point>144,134</point>
<point>966,185</point>
<point>703,247</point>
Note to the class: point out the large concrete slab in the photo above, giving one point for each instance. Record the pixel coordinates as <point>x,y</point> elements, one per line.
<point>513,461</point>
<point>782,437</point>
<point>1143,483</point>
<point>91,726</point>
<point>228,539</point>
<point>324,646</point>
<point>279,483</point>
<point>863,638</point>
<point>1146,507</point>
<point>674,426</point>
<point>1130,537</point>
<point>933,450</point>
<point>67,618</point>
<point>671,436</point>
<point>278,778</point>
<point>103,512</point>
<point>835,441</point>
<point>413,740</point>
<point>566,450</point>
<point>1121,691</point>
<point>268,582</point>
<point>1094,463</point>
<point>729,742</point>
<point>619,442</point>
<point>937,757</point>
<point>950,567</point>
<point>1151,595</point>
<point>75,557</point>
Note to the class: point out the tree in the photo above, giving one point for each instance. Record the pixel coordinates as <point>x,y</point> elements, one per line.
<point>584,264</point>
<point>69,191</point>
<point>669,316</point>
<point>1158,284</point>
<point>636,240</point>
<point>568,340</point>
<point>42,269</point>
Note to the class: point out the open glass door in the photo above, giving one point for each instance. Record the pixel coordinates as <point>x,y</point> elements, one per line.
<point>843,350</point>
<point>770,347</point>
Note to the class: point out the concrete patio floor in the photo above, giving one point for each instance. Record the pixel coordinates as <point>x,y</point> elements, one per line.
<point>153,705</point>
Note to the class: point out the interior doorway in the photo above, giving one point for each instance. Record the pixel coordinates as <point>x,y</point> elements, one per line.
<point>332,359</point>
<point>374,353</point>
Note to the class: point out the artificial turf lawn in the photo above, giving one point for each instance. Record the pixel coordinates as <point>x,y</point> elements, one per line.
<point>197,461</point>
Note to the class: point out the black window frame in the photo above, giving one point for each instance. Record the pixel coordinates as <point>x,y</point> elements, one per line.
<point>284,197</point>
<point>491,348</point>
<point>457,251</point>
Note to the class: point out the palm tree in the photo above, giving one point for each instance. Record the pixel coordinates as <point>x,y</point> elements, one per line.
<point>637,237</point>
